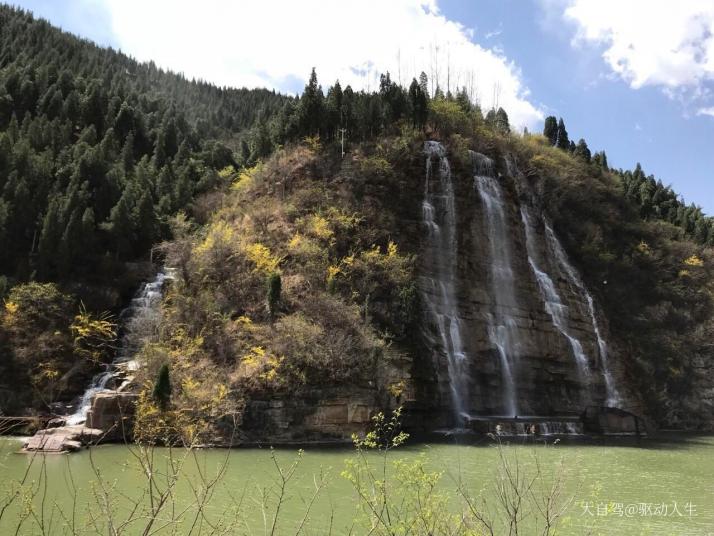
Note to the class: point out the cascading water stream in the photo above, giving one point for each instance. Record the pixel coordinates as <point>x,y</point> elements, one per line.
<point>613,396</point>
<point>502,329</point>
<point>440,299</point>
<point>140,318</point>
<point>554,306</point>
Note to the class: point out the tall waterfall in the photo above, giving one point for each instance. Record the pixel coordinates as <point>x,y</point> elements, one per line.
<point>502,329</point>
<point>555,307</point>
<point>140,319</point>
<point>613,396</point>
<point>439,217</point>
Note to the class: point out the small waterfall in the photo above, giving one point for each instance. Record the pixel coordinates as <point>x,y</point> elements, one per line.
<point>539,428</point>
<point>553,304</point>
<point>140,319</point>
<point>502,329</point>
<point>613,396</point>
<point>441,246</point>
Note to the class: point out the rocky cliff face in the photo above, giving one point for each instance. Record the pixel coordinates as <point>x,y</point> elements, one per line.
<point>497,292</point>
<point>494,343</point>
<point>507,326</point>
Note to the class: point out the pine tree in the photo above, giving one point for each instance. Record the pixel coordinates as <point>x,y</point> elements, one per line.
<point>244,152</point>
<point>160,157</point>
<point>162,388</point>
<point>127,153</point>
<point>311,107</point>
<point>462,99</point>
<point>419,105</point>
<point>261,144</point>
<point>165,188</point>
<point>424,83</point>
<point>5,158</point>
<point>71,242</point>
<point>88,230</point>
<point>491,118</point>
<point>348,111</point>
<point>170,132</point>
<point>121,224</point>
<point>50,236</point>
<point>550,129</point>
<point>274,285</point>
<point>125,121</point>
<point>334,109</point>
<point>145,222</point>
<point>582,151</point>
<point>563,141</point>
<point>13,129</point>
<point>501,121</point>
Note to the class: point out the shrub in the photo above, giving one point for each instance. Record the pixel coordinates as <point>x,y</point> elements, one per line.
<point>274,285</point>
<point>448,118</point>
<point>162,388</point>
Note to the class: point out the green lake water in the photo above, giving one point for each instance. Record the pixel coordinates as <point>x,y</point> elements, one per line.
<point>636,478</point>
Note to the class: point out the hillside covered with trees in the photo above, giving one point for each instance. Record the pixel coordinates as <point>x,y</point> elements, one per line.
<point>293,262</point>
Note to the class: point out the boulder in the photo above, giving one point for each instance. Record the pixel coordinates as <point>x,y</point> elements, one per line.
<point>113,413</point>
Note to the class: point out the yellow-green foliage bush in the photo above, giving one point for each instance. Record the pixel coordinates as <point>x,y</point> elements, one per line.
<point>448,118</point>
<point>376,166</point>
<point>201,399</point>
<point>50,348</point>
<point>94,336</point>
<point>35,323</point>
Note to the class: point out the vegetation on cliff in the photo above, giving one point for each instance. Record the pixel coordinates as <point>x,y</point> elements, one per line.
<point>296,267</point>
<point>347,292</point>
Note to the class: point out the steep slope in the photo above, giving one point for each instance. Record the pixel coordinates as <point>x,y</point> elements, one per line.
<point>97,153</point>
<point>314,358</point>
<point>431,276</point>
<point>445,264</point>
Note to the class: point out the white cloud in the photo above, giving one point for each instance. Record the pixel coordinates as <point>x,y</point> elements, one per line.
<point>706,111</point>
<point>274,43</point>
<point>651,42</point>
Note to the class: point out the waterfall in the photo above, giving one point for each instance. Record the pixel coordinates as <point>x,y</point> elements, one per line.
<point>440,300</point>
<point>553,304</point>
<point>140,319</point>
<point>502,329</point>
<point>613,396</point>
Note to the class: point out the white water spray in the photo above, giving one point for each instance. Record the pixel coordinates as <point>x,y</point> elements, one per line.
<point>439,217</point>
<point>554,306</point>
<point>613,396</point>
<point>503,331</point>
<point>141,318</point>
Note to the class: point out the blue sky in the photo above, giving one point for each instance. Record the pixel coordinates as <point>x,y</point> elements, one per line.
<point>642,88</point>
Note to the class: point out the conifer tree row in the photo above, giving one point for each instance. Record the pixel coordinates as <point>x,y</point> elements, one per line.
<point>652,199</point>
<point>97,151</point>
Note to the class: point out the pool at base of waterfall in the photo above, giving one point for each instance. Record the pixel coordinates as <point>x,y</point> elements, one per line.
<point>616,487</point>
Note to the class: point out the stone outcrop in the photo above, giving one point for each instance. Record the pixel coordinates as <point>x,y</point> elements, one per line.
<point>109,419</point>
<point>112,412</point>
<point>63,439</point>
<point>548,380</point>
<point>316,416</point>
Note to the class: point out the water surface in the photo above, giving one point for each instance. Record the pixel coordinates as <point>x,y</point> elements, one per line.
<point>646,474</point>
